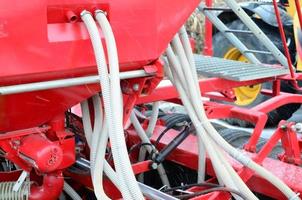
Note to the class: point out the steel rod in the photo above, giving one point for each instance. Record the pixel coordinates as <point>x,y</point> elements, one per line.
<point>61,83</point>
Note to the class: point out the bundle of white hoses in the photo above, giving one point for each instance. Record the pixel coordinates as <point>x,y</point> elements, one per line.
<point>112,122</point>
<point>182,73</point>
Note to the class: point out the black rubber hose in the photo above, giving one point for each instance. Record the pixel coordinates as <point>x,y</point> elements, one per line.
<point>172,145</point>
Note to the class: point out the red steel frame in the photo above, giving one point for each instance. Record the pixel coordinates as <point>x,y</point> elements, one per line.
<point>291,141</point>
<point>186,153</point>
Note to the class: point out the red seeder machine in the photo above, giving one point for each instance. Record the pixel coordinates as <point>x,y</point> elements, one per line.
<point>81,117</point>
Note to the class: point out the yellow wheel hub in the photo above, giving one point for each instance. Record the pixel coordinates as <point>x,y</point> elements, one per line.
<point>245,95</point>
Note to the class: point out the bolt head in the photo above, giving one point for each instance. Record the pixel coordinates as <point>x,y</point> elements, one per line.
<point>135,87</point>
<point>154,165</point>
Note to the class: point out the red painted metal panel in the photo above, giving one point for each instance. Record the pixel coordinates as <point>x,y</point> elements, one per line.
<point>36,36</point>
<point>39,43</point>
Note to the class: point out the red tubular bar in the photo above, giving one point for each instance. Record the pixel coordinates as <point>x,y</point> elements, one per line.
<point>169,92</point>
<point>283,38</point>
<point>208,45</point>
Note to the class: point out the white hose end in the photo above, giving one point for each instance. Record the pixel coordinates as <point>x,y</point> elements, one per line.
<point>85,12</point>
<point>98,11</point>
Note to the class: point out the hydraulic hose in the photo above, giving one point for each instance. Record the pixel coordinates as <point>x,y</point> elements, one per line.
<point>172,145</point>
<point>128,185</point>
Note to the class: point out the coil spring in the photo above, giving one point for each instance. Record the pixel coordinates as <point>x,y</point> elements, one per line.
<point>7,193</point>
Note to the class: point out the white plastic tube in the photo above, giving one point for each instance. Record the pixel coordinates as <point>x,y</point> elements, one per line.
<point>99,139</point>
<point>217,165</point>
<point>119,144</point>
<point>141,157</point>
<point>188,52</point>
<point>121,168</point>
<point>200,114</point>
<point>177,74</point>
<point>71,192</point>
<point>216,162</point>
<point>97,128</point>
<point>86,121</point>
<point>98,163</point>
<point>240,156</point>
<point>98,167</point>
<point>153,119</point>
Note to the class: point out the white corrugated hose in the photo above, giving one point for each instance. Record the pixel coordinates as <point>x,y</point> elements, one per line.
<point>183,74</point>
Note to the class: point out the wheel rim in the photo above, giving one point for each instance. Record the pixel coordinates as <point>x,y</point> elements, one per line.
<point>245,95</point>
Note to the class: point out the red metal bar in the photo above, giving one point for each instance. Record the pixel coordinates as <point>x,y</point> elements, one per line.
<point>208,33</point>
<point>278,101</point>
<point>252,142</point>
<point>165,93</point>
<point>283,38</point>
<point>290,144</point>
<point>267,148</point>
<point>276,87</point>
<point>141,167</point>
<point>24,132</point>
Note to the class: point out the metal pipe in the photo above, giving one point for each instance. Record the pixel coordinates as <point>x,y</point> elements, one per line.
<point>283,39</point>
<point>61,83</point>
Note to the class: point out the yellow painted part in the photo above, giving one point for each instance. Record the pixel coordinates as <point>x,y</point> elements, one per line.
<point>296,27</point>
<point>291,9</point>
<point>245,95</point>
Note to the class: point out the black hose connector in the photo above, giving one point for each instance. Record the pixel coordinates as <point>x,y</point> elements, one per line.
<point>161,156</point>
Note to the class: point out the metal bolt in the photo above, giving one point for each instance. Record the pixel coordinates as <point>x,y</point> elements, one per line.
<point>154,166</point>
<point>135,87</point>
